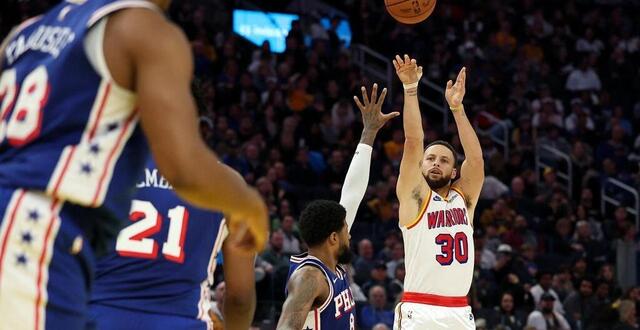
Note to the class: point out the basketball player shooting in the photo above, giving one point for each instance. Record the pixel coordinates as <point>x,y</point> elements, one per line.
<point>319,296</point>
<point>436,212</point>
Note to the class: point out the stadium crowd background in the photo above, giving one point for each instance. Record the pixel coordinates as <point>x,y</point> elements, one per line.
<point>561,73</point>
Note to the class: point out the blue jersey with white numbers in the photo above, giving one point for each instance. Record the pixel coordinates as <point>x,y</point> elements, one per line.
<point>163,261</point>
<point>339,310</point>
<point>65,128</point>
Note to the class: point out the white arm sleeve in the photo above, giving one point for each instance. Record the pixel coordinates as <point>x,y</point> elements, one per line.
<point>356,182</point>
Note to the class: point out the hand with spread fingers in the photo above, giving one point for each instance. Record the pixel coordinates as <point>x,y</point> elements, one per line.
<point>407,70</point>
<point>371,108</point>
<point>454,93</point>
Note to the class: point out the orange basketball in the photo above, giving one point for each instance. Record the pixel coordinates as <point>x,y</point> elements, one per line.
<point>410,11</point>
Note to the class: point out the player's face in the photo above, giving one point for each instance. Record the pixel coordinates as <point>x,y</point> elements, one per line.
<point>344,252</point>
<point>438,166</point>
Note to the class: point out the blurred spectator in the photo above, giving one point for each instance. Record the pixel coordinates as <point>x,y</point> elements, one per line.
<point>546,318</point>
<point>580,305</point>
<point>364,262</point>
<point>627,316</point>
<point>627,251</point>
<point>291,242</point>
<point>378,277</point>
<point>376,312</point>
<point>543,287</point>
<point>506,315</point>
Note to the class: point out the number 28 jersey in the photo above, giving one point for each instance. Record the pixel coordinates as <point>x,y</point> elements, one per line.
<point>439,253</point>
<point>65,127</point>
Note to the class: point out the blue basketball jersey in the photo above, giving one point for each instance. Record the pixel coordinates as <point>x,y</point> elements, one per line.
<point>67,129</point>
<point>163,261</point>
<point>339,310</point>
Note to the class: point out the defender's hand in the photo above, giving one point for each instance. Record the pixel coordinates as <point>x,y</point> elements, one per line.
<point>407,69</point>
<point>249,229</point>
<point>454,93</point>
<point>371,108</point>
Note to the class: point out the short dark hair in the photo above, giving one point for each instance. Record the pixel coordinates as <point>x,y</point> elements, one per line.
<point>319,219</point>
<point>446,144</point>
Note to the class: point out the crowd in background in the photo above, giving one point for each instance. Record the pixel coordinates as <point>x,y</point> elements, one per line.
<point>560,73</point>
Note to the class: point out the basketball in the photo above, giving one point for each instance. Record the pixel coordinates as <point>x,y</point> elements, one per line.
<point>410,11</point>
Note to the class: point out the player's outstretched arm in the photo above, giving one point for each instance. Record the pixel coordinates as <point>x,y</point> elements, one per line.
<point>307,288</point>
<point>411,187</point>
<point>357,178</point>
<point>472,170</point>
<point>240,293</point>
<point>149,55</point>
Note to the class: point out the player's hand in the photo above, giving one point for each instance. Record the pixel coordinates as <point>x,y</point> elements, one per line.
<point>249,229</point>
<point>407,69</point>
<point>371,108</point>
<point>454,93</point>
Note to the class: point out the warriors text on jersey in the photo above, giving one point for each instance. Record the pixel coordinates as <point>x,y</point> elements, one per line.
<point>439,254</point>
<point>338,311</point>
<point>164,259</point>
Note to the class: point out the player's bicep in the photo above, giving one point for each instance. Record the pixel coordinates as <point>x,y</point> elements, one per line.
<point>411,187</point>
<point>471,180</point>
<point>306,286</point>
<point>161,61</point>
<point>410,170</point>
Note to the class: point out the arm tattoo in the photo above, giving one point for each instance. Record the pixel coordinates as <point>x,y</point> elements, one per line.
<point>302,296</point>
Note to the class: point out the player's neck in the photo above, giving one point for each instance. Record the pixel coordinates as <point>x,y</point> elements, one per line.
<point>443,191</point>
<point>325,256</point>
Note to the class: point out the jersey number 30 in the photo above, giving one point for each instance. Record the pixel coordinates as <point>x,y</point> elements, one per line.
<point>452,246</point>
<point>134,241</point>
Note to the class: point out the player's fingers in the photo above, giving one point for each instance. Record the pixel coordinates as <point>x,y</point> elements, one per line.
<point>399,60</point>
<point>365,97</point>
<point>407,60</point>
<point>382,96</point>
<point>449,84</point>
<point>358,104</point>
<point>395,64</point>
<point>374,93</point>
<point>391,115</point>
<point>460,75</point>
<point>463,75</point>
<point>419,70</point>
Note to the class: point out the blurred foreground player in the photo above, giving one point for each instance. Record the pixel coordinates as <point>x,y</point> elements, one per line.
<point>159,274</point>
<point>318,293</point>
<point>74,83</point>
<point>436,213</point>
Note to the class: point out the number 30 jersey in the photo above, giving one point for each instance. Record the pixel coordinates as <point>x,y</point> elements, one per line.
<point>163,261</point>
<point>439,253</point>
<point>65,127</point>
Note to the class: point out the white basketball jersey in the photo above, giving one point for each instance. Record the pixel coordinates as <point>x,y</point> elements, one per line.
<point>438,245</point>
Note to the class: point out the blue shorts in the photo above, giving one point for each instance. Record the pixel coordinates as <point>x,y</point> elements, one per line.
<point>46,264</point>
<point>107,317</point>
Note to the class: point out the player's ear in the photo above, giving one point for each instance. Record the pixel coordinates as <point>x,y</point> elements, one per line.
<point>454,173</point>
<point>334,238</point>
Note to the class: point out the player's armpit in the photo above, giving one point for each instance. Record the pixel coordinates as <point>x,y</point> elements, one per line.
<point>307,288</point>
<point>240,293</point>
<point>471,181</point>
